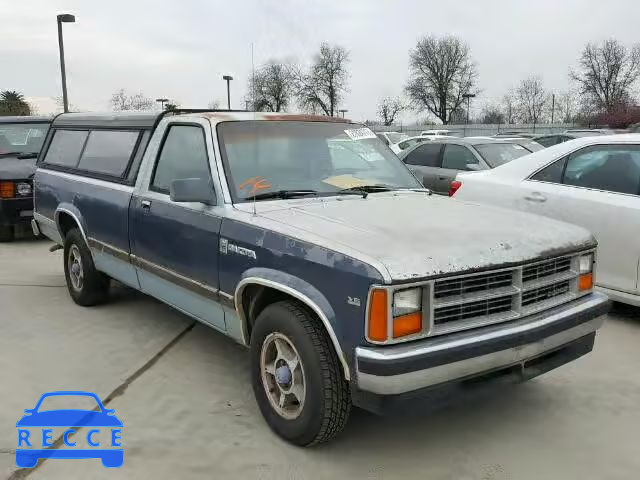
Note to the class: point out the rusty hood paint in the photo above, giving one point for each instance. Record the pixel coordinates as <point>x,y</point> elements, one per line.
<point>415,236</point>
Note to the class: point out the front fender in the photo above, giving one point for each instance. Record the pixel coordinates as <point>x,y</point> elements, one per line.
<point>299,289</point>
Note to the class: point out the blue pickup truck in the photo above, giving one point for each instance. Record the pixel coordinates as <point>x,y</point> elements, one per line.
<point>307,240</point>
<point>21,139</point>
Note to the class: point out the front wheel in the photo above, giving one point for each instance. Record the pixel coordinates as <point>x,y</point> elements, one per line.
<point>87,286</point>
<point>296,375</point>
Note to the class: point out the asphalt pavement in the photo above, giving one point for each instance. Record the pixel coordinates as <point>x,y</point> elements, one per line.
<point>182,392</point>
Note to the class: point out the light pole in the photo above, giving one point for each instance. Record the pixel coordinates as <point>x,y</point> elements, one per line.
<point>343,111</point>
<point>162,101</point>
<point>228,79</point>
<point>468,96</point>
<point>63,18</point>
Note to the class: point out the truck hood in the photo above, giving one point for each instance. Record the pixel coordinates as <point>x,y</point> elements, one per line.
<point>415,235</point>
<point>12,168</point>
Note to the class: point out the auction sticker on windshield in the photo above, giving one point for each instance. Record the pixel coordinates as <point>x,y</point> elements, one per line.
<point>360,133</point>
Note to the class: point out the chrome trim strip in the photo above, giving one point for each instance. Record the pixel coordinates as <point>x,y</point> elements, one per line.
<point>395,384</point>
<point>174,277</point>
<point>109,249</point>
<point>296,294</point>
<point>90,181</point>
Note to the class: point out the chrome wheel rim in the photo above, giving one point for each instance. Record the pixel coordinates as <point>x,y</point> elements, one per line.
<point>76,271</point>
<point>282,375</point>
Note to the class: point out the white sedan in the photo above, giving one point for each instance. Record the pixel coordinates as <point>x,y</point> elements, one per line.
<point>593,182</point>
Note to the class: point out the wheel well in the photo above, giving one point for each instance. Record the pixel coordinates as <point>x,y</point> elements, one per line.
<point>256,298</point>
<point>65,223</point>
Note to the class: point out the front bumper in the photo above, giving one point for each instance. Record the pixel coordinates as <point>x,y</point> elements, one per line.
<point>405,368</point>
<point>14,211</point>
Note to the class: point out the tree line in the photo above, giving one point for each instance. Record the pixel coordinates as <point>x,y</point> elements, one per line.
<point>441,75</point>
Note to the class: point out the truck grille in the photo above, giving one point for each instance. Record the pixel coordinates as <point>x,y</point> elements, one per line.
<point>476,300</point>
<point>478,283</point>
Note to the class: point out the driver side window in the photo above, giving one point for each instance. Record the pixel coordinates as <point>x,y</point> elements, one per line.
<point>183,155</point>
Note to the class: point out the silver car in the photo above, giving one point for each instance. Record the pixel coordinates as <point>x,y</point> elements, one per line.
<point>437,163</point>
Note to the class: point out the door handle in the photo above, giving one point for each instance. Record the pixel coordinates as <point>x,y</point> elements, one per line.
<point>536,197</point>
<point>146,204</point>
<point>443,178</point>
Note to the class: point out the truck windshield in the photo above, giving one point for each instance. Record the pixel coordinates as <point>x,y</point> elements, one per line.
<point>19,138</point>
<point>319,157</point>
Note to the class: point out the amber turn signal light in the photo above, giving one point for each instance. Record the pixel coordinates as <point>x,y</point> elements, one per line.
<point>7,190</point>
<point>585,281</point>
<point>407,324</point>
<point>377,330</point>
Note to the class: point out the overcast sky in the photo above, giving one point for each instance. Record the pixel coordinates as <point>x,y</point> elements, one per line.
<point>181,49</point>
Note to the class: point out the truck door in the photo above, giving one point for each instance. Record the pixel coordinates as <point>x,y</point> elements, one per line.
<point>175,245</point>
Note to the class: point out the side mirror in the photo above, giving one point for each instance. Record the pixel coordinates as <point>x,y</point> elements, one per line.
<point>192,190</point>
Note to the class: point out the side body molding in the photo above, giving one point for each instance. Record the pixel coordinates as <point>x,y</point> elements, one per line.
<point>297,288</point>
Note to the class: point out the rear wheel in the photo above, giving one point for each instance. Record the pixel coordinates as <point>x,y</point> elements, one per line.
<point>296,375</point>
<point>6,233</point>
<point>86,285</point>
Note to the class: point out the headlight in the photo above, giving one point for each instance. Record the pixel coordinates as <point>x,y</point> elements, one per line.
<point>406,314</point>
<point>586,263</point>
<point>407,301</point>
<point>585,277</point>
<point>23,189</point>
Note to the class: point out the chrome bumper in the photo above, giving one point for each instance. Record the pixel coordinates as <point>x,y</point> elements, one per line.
<point>416,365</point>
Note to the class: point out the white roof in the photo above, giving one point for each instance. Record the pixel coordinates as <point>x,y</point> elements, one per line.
<point>529,163</point>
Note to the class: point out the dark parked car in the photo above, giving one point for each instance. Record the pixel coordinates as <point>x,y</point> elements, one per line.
<point>437,163</point>
<point>21,139</point>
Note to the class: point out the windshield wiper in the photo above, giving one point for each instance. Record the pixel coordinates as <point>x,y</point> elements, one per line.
<point>365,190</point>
<point>281,194</point>
<point>20,155</point>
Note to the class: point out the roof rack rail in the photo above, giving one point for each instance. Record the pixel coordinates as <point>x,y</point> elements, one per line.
<point>164,113</point>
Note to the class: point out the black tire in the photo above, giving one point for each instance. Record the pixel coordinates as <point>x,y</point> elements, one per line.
<point>7,233</point>
<point>94,287</point>
<point>327,402</point>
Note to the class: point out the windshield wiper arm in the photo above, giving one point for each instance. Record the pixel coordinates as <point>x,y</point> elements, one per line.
<point>28,155</point>
<point>365,190</point>
<point>281,194</point>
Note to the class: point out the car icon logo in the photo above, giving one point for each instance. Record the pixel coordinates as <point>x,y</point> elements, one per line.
<point>35,429</point>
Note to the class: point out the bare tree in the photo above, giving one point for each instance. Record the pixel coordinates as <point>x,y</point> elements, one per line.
<point>607,74</point>
<point>214,104</point>
<point>492,114</point>
<point>440,73</point>
<point>531,100</point>
<point>567,106</point>
<point>121,100</point>
<point>509,107</point>
<point>389,108</point>
<point>322,87</point>
<point>271,87</point>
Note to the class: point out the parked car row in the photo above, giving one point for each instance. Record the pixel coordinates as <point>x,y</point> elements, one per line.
<point>307,240</point>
